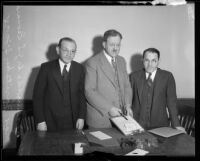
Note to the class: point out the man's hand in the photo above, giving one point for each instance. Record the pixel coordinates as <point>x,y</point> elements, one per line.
<point>129,112</point>
<point>79,124</point>
<point>42,126</point>
<point>114,112</point>
<point>181,128</point>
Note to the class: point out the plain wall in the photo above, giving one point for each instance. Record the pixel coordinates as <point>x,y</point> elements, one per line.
<point>30,34</point>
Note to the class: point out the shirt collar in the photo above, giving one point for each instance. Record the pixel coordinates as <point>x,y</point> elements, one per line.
<point>62,64</point>
<point>152,74</point>
<point>109,58</point>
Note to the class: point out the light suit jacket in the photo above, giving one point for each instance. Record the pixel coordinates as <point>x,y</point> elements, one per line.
<point>100,89</point>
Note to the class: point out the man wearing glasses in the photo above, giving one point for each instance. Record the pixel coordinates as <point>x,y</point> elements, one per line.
<point>58,96</point>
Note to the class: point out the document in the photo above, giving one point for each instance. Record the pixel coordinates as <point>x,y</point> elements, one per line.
<point>138,152</point>
<point>166,131</point>
<point>95,137</point>
<point>78,150</point>
<point>100,135</point>
<point>126,124</point>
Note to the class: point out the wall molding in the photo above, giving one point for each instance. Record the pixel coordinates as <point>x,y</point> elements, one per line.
<point>16,104</point>
<point>21,104</point>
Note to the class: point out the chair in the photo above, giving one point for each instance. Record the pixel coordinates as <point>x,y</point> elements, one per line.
<point>187,119</point>
<point>25,123</point>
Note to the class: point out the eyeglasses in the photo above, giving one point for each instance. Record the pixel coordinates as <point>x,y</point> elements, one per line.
<point>68,51</point>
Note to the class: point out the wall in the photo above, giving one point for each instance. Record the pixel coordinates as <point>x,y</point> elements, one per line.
<point>30,34</point>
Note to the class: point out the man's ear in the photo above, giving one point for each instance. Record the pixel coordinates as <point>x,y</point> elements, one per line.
<point>103,44</point>
<point>158,61</point>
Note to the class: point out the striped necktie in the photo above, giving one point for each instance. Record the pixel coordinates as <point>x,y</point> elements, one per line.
<point>114,64</point>
<point>149,80</point>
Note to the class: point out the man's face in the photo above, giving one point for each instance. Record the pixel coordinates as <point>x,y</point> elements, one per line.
<point>112,45</point>
<point>66,51</point>
<point>150,62</point>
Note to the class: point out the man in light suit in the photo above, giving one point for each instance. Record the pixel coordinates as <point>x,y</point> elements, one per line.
<point>58,97</point>
<point>154,91</point>
<point>107,87</point>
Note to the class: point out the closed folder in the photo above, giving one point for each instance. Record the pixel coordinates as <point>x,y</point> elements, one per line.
<point>166,131</point>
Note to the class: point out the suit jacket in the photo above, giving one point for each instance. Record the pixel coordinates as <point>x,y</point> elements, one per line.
<point>100,89</point>
<point>48,94</point>
<point>164,96</point>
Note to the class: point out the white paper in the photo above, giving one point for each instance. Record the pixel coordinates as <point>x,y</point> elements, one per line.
<point>78,149</point>
<point>138,152</point>
<point>100,135</point>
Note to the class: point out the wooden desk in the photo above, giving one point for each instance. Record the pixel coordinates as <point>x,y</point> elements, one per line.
<point>62,143</point>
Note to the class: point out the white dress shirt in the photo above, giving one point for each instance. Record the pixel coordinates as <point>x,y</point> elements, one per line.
<point>62,64</point>
<point>109,58</point>
<point>152,75</point>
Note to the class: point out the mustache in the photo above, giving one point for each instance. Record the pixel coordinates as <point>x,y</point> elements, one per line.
<point>114,50</point>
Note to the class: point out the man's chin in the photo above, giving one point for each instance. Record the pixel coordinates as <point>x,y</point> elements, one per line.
<point>149,71</point>
<point>67,61</point>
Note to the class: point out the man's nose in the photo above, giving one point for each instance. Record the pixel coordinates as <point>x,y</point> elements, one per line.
<point>116,47</point>
<point>150,63</point>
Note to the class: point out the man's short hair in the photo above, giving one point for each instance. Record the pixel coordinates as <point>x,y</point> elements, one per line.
<point>66,39</point>
<point>152,50</point>
<point>111,33</point>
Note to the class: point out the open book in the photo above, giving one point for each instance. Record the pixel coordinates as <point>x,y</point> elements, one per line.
<point>127,125</point>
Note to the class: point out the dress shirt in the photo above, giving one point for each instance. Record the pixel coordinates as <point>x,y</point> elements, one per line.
<point>152,75</point>
<point>62,64</point>
<point>109,58</point>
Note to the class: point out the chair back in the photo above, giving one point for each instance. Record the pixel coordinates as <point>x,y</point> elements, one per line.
<point>25,123</point>
<point>187,118</point>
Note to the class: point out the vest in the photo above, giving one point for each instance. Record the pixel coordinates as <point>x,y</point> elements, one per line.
<point>67,122</point>
<point>146,104</point>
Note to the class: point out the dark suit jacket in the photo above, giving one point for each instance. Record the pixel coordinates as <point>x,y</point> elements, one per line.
<point>164,97</point>
<point>48,94</point>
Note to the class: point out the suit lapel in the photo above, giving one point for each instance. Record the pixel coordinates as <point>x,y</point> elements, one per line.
<point>141,81</point>
<point>72,76</point>
<point>157,84</point>
<point>120,72</point>
<point>57,75</point>
<point>107,69</point>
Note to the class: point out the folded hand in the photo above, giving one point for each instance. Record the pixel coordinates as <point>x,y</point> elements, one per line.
<point>42,126</point>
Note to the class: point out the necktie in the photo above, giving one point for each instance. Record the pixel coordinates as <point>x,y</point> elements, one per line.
<point>149,80</point>
<point>122,106</point>
<point>114,64</point>
<point>65,73</point>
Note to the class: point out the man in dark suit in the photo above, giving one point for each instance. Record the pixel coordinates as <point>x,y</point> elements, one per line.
<point>154,93</point>
<point>58,96</point>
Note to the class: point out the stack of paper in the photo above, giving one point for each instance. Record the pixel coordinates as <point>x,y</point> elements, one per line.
<point>100,135</point>
<point>100,138</point>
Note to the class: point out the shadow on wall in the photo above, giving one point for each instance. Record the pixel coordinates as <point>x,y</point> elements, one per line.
<point>136,62</point>
<point>96,47</point>
<point>51,55</point>
<point>30,83</point>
